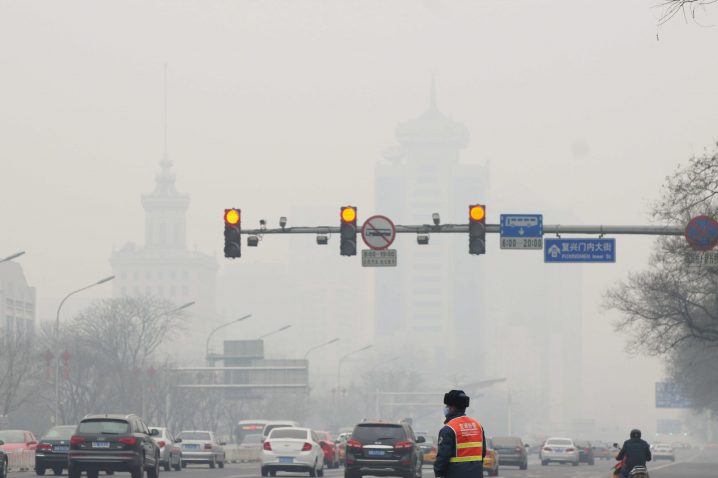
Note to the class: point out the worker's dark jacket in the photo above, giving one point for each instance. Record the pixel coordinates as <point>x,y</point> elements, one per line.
<point>637,453</point>
<point>447,450</point>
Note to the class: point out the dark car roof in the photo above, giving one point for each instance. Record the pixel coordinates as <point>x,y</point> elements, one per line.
<point>111,416</point>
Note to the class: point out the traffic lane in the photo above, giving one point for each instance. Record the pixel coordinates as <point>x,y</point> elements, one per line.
<point>237,470</point>
<point>696,465</point>
<point>601,469</point>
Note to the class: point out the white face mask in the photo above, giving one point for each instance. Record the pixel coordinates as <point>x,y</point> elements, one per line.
<point>446,411</point>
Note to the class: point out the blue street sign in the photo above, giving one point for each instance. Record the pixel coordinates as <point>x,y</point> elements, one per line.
<point>670,395</point>
<point>579,250</point>
<point>521,225</point>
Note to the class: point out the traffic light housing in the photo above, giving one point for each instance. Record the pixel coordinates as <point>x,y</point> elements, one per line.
<point>477,229</point>
<point>348,231</point>
<point>232,233</point>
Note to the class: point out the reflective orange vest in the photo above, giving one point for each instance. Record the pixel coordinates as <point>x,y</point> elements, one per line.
<point>469,439</point>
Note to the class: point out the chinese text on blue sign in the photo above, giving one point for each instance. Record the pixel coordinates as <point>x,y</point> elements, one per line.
<point>580,250</point>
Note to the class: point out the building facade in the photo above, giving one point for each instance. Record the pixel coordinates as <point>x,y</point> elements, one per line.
<point>17,301</point>
<point>163,266</point>
<point>434,298</point>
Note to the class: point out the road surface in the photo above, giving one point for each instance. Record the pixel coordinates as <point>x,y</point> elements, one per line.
<point>689,464</point>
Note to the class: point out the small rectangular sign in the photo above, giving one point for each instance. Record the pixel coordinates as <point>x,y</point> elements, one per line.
<point>372,258</point>
<point>573,250</point>
<point>521,225</point>
<point>699,260</point>
<point>522,243</point>
<point>670,395</point>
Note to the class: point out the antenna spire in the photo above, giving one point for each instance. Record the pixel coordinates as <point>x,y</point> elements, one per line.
<point>165,118</point>
<point>432,98</point>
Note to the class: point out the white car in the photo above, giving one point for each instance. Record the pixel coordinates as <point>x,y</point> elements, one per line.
<point>292,449</point>
<point>663,451</point>
<point>560,450</point>
<point>201,446</point>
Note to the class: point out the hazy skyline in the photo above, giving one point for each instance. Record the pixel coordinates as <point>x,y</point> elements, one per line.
<point>578,106</point>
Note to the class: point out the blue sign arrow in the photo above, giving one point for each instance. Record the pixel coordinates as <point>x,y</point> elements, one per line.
<point>579,250</point>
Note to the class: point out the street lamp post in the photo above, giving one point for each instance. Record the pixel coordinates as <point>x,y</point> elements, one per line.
<point>57,342</point>
<point>320,346</point>
<point>209,337</point>
<point>12,256</point>
<point>341,361</point>
<point>275,331</point>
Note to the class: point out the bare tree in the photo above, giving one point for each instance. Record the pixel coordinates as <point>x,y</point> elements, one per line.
<point>670,308</point>
<point>688,8</point>
<point>20,372</point>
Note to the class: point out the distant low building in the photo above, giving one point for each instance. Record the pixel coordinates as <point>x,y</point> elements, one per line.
<point>17,301</point>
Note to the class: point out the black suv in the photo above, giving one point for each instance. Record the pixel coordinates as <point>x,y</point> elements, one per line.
<point>113,443</point>
<point>383,449</point>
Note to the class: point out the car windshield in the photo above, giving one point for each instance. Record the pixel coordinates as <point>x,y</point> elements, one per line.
<point>583,444</point>
<point>104,426</point>
<point>288,433</point>
<point>501,442</point>
<point>560,442</point>
<point>59,433</point>
<point>12,436</point>
<point>203,436</point>
<point>254,439</point>
<point>374,433</point>
<point>324,436</point>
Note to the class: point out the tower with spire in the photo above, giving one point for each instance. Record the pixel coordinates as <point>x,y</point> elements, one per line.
<point>164,266</point>
<point>434,298</point>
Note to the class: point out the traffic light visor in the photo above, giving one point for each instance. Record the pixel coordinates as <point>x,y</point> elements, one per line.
<point>477,213</point>
<point>231,216</point>
<point>349,214</point>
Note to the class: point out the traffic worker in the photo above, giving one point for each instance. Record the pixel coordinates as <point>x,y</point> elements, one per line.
<point>461,448</point>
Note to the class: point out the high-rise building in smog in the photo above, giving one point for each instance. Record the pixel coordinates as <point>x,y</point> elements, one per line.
<point>17,301</point>
<point>434,297</point>
<point>164,267</point>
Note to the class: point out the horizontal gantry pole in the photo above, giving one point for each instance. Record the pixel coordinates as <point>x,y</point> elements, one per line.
<point>490,228</point>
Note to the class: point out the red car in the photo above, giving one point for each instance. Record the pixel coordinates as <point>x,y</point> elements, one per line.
<point>16,440</point>
<point>331,453</point>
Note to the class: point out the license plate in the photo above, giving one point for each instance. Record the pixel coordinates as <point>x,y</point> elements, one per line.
<point>376,452</point>
<point>62,448</point>
<point>286,459</point>
<point>191,446</point>
<point>100,444</point>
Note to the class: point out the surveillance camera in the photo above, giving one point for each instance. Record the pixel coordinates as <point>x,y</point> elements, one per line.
<point>436,218</point>
<point>322,239</point>
<point>422,239</point>
<point>252,241</point>
<point>282,222</point>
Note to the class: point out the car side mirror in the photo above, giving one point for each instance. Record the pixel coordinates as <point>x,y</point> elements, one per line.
<point>420,440</point>
<point>178,440</point>
<point>154,432</point>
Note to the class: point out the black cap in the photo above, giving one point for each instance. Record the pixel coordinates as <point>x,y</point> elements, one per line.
<point>456,398</point>
<point>635,433</point>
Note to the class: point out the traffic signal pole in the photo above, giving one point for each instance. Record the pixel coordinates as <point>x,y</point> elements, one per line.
<point>557,229</point>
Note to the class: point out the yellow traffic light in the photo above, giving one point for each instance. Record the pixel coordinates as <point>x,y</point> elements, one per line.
<point>477,213</point>
<point>349,214</point>
<point>231,216</point>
